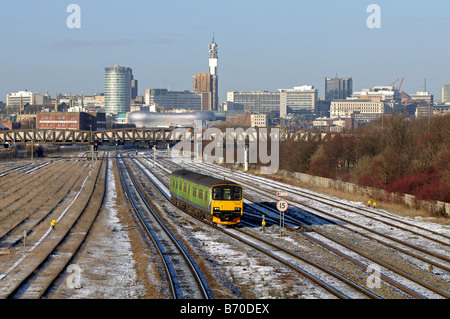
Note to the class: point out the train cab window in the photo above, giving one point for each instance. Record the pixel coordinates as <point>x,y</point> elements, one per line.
<point>216,193</point>
<point>227,192</point>
<point>237,193</point>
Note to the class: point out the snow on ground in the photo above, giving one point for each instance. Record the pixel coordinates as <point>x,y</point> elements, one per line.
<point>106,261</point>
<point>108,267</point>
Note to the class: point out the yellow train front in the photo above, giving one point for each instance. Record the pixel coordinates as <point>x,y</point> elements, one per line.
<point>226,204</point>
<point>207,197</point>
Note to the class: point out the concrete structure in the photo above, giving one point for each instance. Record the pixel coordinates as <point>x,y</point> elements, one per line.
<point>387,94</point>
<point>118,89</point>
<point>170,100</point>
<point>207,83</point>
<point>338,88</point>
<point>255,102</point>
<point>445,94</point>
<point>259,120</point>
<point>16,101</point>
<point>423,97</point>
<point>213,71</point>
<point>203,84</point>
<point>299,100</point>
<point>370,109</point>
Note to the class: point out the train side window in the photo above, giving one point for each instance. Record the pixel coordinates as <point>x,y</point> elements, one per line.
<point>200,193</point>
<point>194,191</point>
<point>184,187</point>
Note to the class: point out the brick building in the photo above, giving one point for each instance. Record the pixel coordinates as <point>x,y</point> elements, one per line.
<point>71,120</point>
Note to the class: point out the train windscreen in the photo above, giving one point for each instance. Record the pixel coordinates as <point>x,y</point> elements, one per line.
<point>227,192</point>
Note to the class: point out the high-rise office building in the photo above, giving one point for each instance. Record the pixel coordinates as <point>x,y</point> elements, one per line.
<point>171,100</point>
<point>338,88</point>
<point>299,100</point>
<point>202,86</point>
<point>445,94</point>
<point>118,89</point>
<point>255,102</point>
<point>202,82</point>
<point>134,88</point>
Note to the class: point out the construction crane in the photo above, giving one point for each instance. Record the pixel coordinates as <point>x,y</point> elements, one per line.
<point>401,83</point>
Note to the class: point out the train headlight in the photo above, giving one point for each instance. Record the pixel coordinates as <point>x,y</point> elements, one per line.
<point>216,208</point>
<point>237,209</point>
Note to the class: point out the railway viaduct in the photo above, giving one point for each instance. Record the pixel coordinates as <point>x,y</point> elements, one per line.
<point>149,136</point>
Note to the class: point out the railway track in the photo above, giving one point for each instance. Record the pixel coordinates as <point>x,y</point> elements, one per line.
<point>289,259</point>
<point>35,273</point>
<point>397,272</point>
<point>14,224</point>
<point>431,258</point>
<point>185,277</point>
<point>346,207</point>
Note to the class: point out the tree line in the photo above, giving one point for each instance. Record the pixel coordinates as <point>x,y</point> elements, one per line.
<point>396,153</point>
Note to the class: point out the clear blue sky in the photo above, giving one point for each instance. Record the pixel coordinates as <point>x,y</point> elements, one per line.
<point>263,45</point>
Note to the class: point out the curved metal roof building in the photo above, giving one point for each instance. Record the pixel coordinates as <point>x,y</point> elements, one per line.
<point>154,119</point>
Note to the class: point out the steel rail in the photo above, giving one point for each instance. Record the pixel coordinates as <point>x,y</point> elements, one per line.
<point>303,272</point>
<point>298,204</point>
<point>413,278</point>
<point>201,281</point>
<point>42,261</point>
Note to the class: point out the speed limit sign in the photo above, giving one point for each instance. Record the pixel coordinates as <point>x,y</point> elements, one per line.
<point>282,205</point>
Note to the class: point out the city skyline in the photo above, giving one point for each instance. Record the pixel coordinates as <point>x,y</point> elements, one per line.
<point>264,45</point>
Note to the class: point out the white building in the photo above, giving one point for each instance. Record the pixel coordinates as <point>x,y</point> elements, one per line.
<point>423,96</point>
<point>445,94</point>
<point>255,102</point>
<point>259,120</point>
<point>16,101</point>
<point>300,99</point>
<point>118,89</point>
<point>345,108</point>
<point>387,94</point>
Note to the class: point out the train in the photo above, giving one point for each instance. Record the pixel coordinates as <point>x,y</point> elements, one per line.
<point>216,200</point>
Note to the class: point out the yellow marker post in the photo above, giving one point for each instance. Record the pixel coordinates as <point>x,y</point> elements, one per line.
<point>374,204</point>
<point>368,203</point>
<point>263,223</point>
<point>53,223</point>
